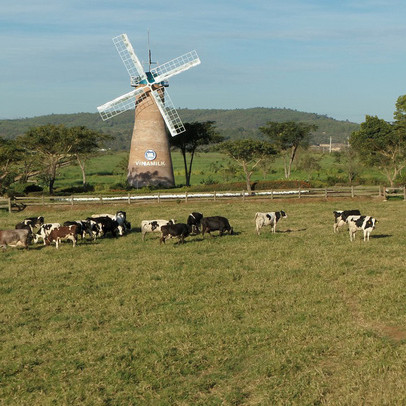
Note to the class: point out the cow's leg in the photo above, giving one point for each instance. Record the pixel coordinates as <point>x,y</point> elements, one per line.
<point>143,236</point>
<point>57,242</point>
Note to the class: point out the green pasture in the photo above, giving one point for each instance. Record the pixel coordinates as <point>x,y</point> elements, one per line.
<point>299,317</point>
<point>103,171</point>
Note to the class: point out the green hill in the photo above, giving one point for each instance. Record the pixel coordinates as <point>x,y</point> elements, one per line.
<point>233,124</point>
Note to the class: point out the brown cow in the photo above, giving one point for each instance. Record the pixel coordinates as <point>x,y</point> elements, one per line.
<point>14,238</point>
<point>62,233</point>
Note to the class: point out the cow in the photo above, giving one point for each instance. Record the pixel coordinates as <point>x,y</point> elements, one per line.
<point>120,217</point>
<point>62,233</point>
<point>340,217</point>
<point>84,227</point>
<point>179,230</point>
<point>14,238</point>
<point>268,219</point>
<point>215,223</point>
<point>154,226</point>
<point>107,225</point>
<point>364,223</point>
<point>30,223</point>
<point>44,231</point>
<point>194,220</point>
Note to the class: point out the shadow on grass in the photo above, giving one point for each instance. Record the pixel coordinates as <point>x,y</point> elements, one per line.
<point>380,236</point>
<point>291,231</point>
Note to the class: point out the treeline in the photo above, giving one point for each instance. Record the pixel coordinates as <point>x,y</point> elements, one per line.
<point>230,124</point>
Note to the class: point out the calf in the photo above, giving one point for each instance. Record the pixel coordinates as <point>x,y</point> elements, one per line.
<point>62,233</point>
<point>153,226</point>
<point>215,223</point>
<point>268,219</point>
<point>14,238</point>
<point>364,223</point>
<point>44,231</point>
<point>340,217</point>
<point>194,220</point>
<point>180,231</point>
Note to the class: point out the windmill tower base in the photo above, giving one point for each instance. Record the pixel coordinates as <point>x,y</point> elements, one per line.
<point>150,162</point>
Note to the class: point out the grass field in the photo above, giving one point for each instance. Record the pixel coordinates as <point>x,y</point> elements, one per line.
<point>301,317</point>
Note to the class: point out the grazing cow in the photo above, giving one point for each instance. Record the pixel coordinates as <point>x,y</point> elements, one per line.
<point>153,226</point>
<point>340,217</point>
<point>179,230</point>
<point>107,225</point>
<point>120,217</point>
<point>364,223</point>
<point>62,233</point>
<point>194,220</point>
<point>215,223</point>
<point>44,231</point>
<point>268,219</point>
<point>14,238</point>
<point>30,223</point>
<point>84,227</point>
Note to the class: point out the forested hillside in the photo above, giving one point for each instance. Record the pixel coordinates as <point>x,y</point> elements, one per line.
<point>237,123</point>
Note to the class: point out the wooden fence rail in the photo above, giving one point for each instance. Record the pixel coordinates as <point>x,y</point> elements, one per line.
<point>19,203</point>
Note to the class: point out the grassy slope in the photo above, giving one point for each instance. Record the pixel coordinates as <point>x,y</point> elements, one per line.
<point>299,317</point>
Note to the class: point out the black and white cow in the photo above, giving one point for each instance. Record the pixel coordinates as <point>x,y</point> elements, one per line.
<point>30,223</point>
<point>268,219</point>
<point>84,227</point>
<point>44,231</point>
<point>154,226</point>
<point>340,217</point>
<point>120,217</point>
<point>107,225</point>
<point>364,223</point>
<point>216,223</point>
<point>179,230</point>
<point>194,220</point>
<point>14,238</point>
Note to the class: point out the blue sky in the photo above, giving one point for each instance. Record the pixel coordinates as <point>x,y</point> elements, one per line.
<point>342,58</point>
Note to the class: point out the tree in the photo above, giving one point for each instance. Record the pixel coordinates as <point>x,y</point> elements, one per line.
<point>248,154</point>
<point>288,137</point>
<point>196,135</point>
<point>10,155</point>
<point>382,144</point>
<point>86,143</point>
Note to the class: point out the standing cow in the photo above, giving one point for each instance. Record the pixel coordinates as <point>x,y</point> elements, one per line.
<point>153,226</point>
<point>340,217</point>
<point>44,231</point>
<point>268,219</point>
<point>358,223</point>
<point>62,233</point>
<point>216,223</point>
<point>194,220</point>
<point>180,231</point>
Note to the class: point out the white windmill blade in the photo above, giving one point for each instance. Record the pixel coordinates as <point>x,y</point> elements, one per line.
<point>175,66</point>
<point>168,111</point>
<point>130,60</point>
<point>121,104</point>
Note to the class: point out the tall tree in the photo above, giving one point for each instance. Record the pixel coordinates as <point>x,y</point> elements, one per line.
<point>197,134</point>
<point>288,137</point>
<point>248,154</point>
<point>86,143</point>
<point>382,144</point>
<point>53,145</point>
<point>10,155</point>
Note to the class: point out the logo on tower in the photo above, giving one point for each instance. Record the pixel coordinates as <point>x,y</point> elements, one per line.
<point>150,154</point>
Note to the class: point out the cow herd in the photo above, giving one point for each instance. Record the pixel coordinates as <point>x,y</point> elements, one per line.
<point>34,229</point>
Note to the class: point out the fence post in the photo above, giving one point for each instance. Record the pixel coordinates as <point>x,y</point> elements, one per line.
<point>186,196</point>
<point>71,200</point>
<point>384,193</point>
<point>101,199</point>
<point>299,192</point>
<point>325,193</point>
<point>404,192</point>
<point>271,193</point>
<point>43,200</point>
<point>9,204</point>
<point>243,196</point>
<point>129,198</point>
<point>214,195</point>
<point>352,191</point>
<point>159,197</point>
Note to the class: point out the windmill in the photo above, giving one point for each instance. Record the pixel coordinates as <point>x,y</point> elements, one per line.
<point>150,160</point>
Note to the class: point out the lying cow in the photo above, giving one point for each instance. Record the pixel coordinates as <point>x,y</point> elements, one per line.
<point>44,231</point>
<point>364,223</point>
<point>340,217</point>
<point>216,223</point>
<point>14,238</point>
<point>180,231</point>
<point>194,220</point>
<point>62,233</point>
<point>268,219</point>
<point>153,226</point>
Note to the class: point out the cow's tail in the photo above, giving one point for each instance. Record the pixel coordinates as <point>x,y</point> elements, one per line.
<point>256,215</point>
